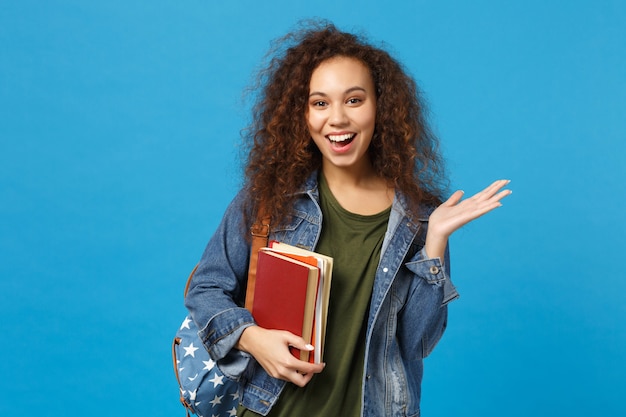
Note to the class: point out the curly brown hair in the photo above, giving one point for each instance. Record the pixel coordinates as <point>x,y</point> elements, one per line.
<point>280,152</point>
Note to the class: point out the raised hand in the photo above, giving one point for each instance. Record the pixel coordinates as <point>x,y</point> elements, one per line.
<point>271,350</point>
<point>455,213</point>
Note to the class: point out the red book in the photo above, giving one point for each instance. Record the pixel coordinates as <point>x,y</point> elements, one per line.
<point>284,296</point>
<point>325,266</point>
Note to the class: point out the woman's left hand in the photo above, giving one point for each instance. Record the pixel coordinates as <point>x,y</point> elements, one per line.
<point>455,213</point>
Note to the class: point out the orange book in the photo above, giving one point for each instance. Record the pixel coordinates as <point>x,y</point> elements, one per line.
<point>285,296</point>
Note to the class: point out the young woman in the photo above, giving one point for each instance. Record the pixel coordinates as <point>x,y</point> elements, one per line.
<point>342,160</point>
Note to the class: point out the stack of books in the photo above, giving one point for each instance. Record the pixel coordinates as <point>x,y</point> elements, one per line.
<point>291,293</point>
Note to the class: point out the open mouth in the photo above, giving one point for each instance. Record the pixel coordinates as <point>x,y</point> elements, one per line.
<point>341,140</point>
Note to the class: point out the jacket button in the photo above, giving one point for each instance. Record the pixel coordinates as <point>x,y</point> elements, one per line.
<point>385,269</point>
<point>434,270</point>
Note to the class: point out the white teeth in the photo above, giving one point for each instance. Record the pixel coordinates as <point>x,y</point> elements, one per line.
<point>340,138</point>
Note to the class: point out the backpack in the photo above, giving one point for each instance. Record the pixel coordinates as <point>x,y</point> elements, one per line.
<point>204,390</point>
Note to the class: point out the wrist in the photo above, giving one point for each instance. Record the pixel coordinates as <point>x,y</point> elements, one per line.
<point>435,248</point>
<point>245,340</point>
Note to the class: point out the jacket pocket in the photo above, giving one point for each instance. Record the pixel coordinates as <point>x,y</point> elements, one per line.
<point>298,229</point>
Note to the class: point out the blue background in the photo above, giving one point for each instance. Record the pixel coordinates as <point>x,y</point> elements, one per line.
<point>119,128</point>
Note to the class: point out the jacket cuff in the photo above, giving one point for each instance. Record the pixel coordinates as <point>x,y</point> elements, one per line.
<point>439,272</point>
<point>220,344</point>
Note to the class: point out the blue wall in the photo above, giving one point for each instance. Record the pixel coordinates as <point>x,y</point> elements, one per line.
<point>119,127</point>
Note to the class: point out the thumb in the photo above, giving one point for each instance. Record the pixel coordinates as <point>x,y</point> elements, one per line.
<point>454,198</point>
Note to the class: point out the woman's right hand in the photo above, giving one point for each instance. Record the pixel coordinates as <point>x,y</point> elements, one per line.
<point>271,349</point>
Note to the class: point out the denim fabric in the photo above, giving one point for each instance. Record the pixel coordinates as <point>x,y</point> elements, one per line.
<point>407,316</point>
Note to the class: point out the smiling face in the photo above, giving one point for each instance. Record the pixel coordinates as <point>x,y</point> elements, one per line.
<point>341,113</point>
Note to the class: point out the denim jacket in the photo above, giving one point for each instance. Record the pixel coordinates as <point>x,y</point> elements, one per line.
<point>407,315</point>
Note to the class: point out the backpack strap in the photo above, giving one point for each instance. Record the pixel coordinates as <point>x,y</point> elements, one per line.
<point>183,401</point>
<point>260,232</point>
<point>189,279</point>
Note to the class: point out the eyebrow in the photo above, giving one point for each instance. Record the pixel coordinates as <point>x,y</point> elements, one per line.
<point>348,91</point>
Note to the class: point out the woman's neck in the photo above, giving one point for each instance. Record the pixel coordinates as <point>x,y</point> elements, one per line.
<point>359,191</point>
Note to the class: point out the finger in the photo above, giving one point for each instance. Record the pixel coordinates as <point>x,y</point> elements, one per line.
<point>305,373</point>
<point>300,379</point>
<point>495,198</point>
<point>496,186</point>
<point>489,205</point>
<point>306,368</point>
<point>454,198</point>
<point>298,342</point>
<point>502,194</point>
<point>491,190</point>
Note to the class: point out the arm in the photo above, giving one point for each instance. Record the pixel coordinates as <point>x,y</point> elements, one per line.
<point>228,331</point>
<point>217,288</point>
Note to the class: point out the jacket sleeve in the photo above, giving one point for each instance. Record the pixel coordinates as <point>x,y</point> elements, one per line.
<point>217,291</point>
<point>435,275</point>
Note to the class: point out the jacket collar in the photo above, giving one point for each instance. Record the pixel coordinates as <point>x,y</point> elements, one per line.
<point>399,204</point>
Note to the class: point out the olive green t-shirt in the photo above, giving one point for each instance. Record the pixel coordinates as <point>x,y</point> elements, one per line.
<point>354,241</point>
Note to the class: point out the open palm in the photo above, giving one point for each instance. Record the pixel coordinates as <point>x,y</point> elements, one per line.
<point>455,212</point>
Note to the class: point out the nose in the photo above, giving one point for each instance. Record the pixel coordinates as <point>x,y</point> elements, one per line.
<point>338,116</point>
